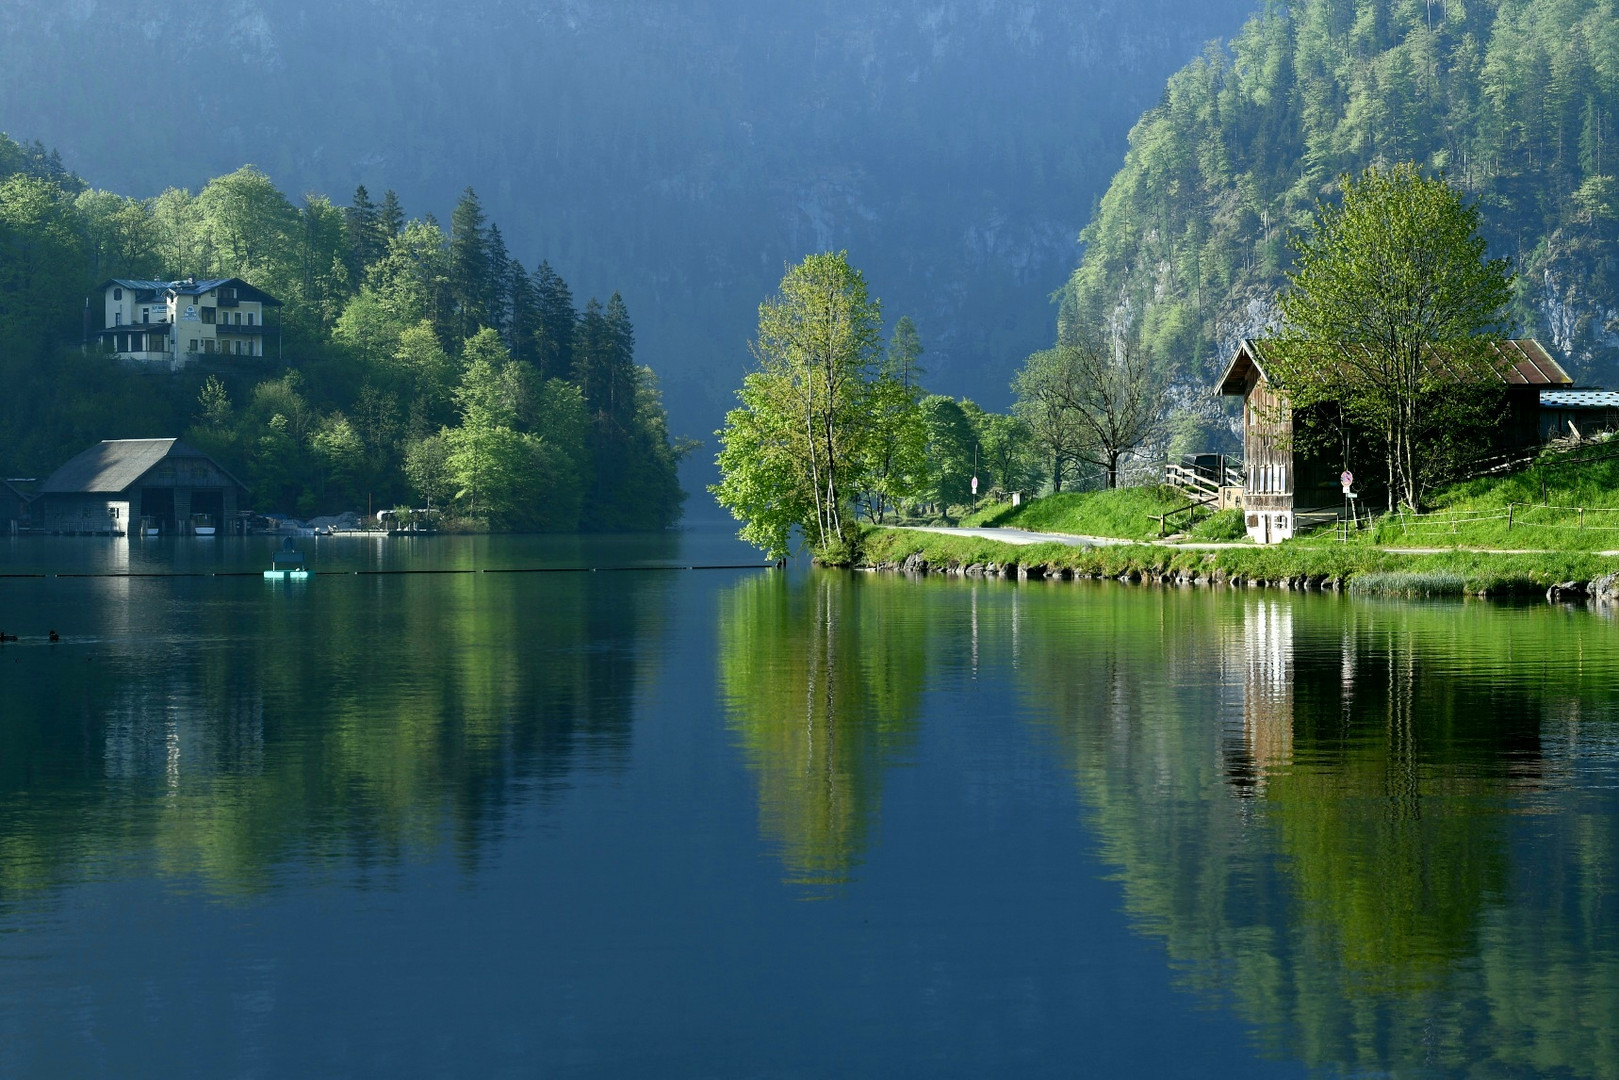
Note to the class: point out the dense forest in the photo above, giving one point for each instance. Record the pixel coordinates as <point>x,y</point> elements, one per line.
<point>419,362</point>
<point>1514,101</point>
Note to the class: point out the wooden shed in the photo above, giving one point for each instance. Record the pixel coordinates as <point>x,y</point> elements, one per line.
<point>112,487</point>
<point>1279,485</point>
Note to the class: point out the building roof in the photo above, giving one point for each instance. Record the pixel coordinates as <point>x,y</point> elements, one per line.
<point>116,464</point>
<point>1524,362</point>
<point>1579,399</point>
<point>191,287</point>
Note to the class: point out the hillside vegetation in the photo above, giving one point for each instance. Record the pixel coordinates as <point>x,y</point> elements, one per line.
<point>420,362</point>
<point>1515,100</point>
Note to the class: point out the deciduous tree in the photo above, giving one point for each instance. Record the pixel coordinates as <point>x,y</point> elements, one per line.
<point>1390,316</point>
<point>794,452</point>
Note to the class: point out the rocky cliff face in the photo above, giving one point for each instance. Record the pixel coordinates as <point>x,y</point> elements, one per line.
<point>678,152</point>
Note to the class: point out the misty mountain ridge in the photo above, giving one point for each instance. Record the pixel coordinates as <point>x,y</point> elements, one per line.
<point>680,153</point>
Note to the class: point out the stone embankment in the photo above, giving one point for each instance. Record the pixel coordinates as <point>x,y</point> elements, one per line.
<point>916,564</point>
<point>1558,576</point>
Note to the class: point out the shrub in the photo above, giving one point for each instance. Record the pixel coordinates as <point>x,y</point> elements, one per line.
<point>1408,583</point>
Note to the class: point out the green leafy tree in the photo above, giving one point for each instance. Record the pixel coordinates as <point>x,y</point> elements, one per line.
<point>1005,450</point>
<point>250,229</point>
<point>951,444</point>
<point>120,235</point>
<point>40,263</point>
<point>795,451</point>
<point>1390,316</point>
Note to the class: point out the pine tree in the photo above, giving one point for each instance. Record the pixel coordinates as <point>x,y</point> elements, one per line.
<point>499,296</point>
<point>557,324</point>
<point>363,233</point>
<point>523,315</point>
<point>470,285</point>
<point>391,218</point>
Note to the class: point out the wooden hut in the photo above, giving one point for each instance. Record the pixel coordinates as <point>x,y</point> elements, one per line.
<point>1279,484</point>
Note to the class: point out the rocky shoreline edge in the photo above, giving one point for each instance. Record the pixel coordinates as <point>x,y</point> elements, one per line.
<point>1604,589</point>
<point>1559,577</point>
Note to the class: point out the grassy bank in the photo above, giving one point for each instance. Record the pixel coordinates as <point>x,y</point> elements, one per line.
<point>1336,565</point>
<point>1125,513</point>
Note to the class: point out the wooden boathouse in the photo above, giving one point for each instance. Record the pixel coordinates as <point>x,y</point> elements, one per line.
<point>1279,485</point>
<point>113,486</point>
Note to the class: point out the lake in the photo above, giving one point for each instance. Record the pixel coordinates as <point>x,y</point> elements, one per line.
<point>788,823</point>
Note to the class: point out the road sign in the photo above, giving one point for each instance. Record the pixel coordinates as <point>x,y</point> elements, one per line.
<point>975,485</point>
<point>1346,478</point>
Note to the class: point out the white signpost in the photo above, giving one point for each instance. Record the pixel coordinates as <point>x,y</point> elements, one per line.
<point>975,487</point>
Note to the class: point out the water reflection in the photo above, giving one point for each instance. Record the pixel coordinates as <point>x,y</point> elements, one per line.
<point>1386,856</point>
<point>822,680</point>
<point>227,732</point>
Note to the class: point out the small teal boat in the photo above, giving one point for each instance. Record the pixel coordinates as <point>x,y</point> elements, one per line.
<point>287,564</point>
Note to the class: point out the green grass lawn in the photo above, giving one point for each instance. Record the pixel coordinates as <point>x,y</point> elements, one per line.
<point>1125,513</point>
<point>1545,500</point>
<point>1382,572</point>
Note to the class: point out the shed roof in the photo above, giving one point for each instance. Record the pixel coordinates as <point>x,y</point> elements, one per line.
<point>1525,362</point>
<point>1579,399</point>
<point>117,464</point>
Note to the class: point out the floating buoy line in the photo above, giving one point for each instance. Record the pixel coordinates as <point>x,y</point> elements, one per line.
<point>390,573</point>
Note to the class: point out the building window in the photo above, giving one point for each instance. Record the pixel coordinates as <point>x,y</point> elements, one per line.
<point>118,294</point>
<point>193,345</point>
<point>118,317</point>
<point>208,315</point>
<point>250,318</point>
<point>208,346</point>
<point>146,314</point>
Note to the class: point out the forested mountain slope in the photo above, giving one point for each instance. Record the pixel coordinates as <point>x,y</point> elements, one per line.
<point>681,153</point>
<point>1515,99</point>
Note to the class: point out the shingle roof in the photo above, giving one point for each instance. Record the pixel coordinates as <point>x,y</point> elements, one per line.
<point>1525,363</point>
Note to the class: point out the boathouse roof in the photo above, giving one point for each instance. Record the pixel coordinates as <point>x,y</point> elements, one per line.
<point>1524,362</point>
<point>117,464</point>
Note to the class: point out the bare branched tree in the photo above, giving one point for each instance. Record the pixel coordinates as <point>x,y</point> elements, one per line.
<point>1107,388</point>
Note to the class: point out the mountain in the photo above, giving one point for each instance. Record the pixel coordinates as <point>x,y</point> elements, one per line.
<point>1514,100</point>
<point>682,153</point>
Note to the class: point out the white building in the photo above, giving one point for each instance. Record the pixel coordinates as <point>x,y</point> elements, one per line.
<point>169,325</point>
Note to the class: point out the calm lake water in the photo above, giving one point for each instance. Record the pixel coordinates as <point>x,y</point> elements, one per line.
<point>751,823</point>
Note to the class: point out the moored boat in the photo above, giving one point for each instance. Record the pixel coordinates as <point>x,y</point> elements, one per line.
<point>202,525</point>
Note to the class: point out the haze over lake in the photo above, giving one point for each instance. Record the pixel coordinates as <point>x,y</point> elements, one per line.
<point>788,823</point>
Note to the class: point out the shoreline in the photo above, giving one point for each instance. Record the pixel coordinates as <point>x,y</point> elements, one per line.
<point>1555,575</point>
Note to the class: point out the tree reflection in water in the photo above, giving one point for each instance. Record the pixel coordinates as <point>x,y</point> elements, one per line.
<point>822,681</point>
<point>1390,860</point>
<point>231,736</point>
